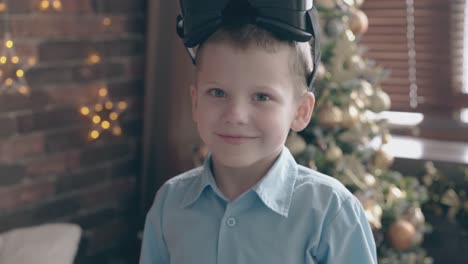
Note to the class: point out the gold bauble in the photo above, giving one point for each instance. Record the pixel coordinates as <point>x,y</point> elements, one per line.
<point>380,101</point>
<point>325,3</point>
<point>382,159</point>
<point>334,153</point>
<point>330,116</point>
<point>415,216</point>
<point>350,116</point>
<point>359,23</point>
<point>321,71</point>
<point>295,143</point>
<point>401,234</point>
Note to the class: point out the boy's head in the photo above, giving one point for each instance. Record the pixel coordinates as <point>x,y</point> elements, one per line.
<point>250,90</point>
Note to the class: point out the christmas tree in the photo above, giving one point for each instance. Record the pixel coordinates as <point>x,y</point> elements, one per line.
<point>345,139</point>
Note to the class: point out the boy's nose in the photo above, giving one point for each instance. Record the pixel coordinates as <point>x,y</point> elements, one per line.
<point>235,113</point>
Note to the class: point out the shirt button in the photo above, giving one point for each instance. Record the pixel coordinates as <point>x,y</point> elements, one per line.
<point>231,221</point>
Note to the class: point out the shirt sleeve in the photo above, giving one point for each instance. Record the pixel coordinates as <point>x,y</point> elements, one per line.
<point>348,238</point>
<point>153,248</point>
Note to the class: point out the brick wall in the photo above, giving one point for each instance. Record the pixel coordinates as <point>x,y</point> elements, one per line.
<point>49,168</point>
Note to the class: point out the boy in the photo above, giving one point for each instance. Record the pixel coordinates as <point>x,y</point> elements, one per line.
<point>251,202</point>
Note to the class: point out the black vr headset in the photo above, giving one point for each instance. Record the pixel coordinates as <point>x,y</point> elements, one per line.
<point>288,19</point>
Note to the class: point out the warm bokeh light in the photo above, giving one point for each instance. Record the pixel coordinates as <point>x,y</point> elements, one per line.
<point>103,92</point>
<point>109,105</point>
<point>3,7</point>
<point>113,116</point>
<point>94,134</point>
<point>122,105</point>
<point>9,81</point>
<point>105,124</point>
<point>9,44</point>
<point>96,119</point>
<point>3,59</point>
<point>106,21</point>
<point>117,131</point>
<point>94,58</point>
<point>98,107</point>
<point>44,4</point>
<point>20,73</point>
<point>24,90</point>
<point>15,59</point>
<point>84,110</point>
<point>57,4</point>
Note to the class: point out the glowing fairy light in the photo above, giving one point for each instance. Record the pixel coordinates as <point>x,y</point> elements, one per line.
<point>104,115</point>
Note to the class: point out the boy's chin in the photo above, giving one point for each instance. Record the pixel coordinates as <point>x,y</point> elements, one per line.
<point>233,161</point>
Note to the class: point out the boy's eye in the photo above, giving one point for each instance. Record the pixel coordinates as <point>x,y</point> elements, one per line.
<point>217,92</point>
<point>262,97</point>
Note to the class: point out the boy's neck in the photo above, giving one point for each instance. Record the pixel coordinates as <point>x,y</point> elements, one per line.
<point>233,182</point>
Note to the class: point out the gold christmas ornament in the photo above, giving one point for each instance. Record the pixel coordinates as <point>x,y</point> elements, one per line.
<point>350,116</point>
<point>333,153</point>
<point>330,116</point>
<point>325,3</point>
<point>415,216</point>
<point>382,159</point>
<point>321,71</point>
<point>380,101</point>
<point>369,179</point>
<point>355,63</point>
<point>359,23</point>
<point>295,143</point>
<point>401,234</point>
<point>311,164</point>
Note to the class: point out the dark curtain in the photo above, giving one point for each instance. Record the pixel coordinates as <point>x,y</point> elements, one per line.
<point>169,132</point>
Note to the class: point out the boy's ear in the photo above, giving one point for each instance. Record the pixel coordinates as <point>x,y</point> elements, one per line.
<point>304,112</point>
<point>193,96</point>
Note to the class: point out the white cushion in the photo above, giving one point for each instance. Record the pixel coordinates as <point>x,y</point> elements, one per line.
<point>44,244</point>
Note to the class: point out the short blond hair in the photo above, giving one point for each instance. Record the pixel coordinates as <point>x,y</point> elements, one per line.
<point>246,35</point>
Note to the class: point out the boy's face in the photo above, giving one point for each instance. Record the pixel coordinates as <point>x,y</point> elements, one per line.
<point>244,103</point>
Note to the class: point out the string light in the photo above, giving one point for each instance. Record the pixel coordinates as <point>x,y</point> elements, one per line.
<point>12,77</point>
<point>93,58</point>
<point>45,5</point>
<point>104,115</point>
<point>107,21</point>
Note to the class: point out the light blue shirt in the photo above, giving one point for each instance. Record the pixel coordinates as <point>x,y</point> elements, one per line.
<point>292,215</point>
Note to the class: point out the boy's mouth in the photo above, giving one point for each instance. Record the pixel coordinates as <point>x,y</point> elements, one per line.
<point>235,139</point>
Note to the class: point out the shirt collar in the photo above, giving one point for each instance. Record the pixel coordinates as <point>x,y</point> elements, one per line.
<point>275,189</point>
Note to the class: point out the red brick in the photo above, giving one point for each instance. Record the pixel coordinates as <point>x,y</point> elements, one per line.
<point>125,168</point>
<point>10,174</point>
<point>48,119</point>
<point>8,124</point>
<point>53,75</point>
<point>47,26</point>
<point>135,67</point>
<point>108,235</point>
<point>119,6</point>
<point>59,50</point>
<point>56,164</point>
<point>22,195</point>
<point>67,139</point>
<point>81,180</point>
<point>108,193</point>
<point>17,102</point>
<point>32,6</point>
<point>104,153</point>
<point>21,147</point>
